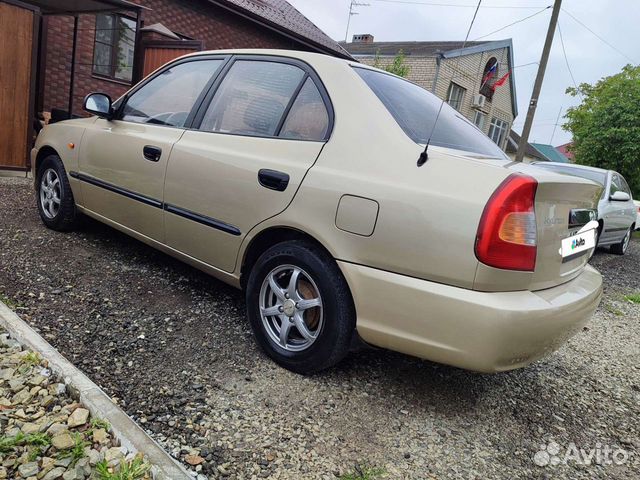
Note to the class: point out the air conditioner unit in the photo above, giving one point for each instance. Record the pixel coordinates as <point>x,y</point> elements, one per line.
<point>479,101</point>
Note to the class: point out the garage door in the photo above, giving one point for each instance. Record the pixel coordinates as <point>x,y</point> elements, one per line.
<point>16,37</point>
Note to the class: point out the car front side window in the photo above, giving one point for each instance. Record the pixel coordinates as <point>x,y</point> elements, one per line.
<point>168,98</point>
<point>252,98</point>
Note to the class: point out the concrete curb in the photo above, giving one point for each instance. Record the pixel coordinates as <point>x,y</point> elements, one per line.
<point>125,430</point>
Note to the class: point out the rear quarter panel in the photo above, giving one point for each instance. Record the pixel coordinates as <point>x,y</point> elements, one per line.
<point>428,216</point>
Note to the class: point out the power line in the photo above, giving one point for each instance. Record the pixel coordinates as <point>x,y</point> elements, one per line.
<point>564,52</point>
<point>517,21</point>
<point>602,39</point>
<point>410,2</point>
<point>527,64</point>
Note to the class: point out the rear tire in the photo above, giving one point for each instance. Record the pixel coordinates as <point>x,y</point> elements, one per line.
<point>316,309</point>
<point>621,248</point>
<point>54,197</point>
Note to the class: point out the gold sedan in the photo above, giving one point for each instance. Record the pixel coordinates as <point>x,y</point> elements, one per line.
<point>345,201</point>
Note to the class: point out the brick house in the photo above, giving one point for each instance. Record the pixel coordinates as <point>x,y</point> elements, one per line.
<point>115,49</point>
<point>468,78</point>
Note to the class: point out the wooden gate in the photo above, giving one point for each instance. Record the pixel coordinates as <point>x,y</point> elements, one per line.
<point>16,86</point>
<point>157,53</point>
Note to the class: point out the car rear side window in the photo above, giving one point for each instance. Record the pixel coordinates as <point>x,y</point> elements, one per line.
<point>252,98</point>
<point>416,109</point>
<point>308,118</point>
<point>168,98</point>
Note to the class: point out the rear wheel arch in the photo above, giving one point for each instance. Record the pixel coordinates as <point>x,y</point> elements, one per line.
<point>267,239</point>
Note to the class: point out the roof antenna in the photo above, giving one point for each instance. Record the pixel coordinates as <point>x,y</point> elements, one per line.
<point>424,155</point>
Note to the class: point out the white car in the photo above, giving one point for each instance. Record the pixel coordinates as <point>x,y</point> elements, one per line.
<point>637,204</point>
<point>617,214</point>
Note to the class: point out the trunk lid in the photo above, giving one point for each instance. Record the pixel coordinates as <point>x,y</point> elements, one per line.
<point>563,205</point>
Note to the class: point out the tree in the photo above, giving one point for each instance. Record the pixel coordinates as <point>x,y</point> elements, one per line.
<point>397,67</point>
<point>606,125</point>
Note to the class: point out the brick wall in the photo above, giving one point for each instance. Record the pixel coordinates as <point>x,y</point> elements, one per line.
<point>197,19</point>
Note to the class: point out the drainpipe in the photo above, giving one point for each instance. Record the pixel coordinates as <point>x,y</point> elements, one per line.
<point>439,57</point>
<point>73,64</point>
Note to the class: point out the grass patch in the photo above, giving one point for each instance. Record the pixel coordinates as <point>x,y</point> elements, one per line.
<point>611,309</point>
<point>97,423</point>
<point>77,451</point>
<point>38,440</point>
<point>8,302</point>
<point>363,472</point>
<point>136,469</point>
<point>7,444</point>
<point>32,358</point>
<point>633,297</point>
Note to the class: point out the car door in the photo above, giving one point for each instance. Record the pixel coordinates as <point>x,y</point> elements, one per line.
<point>123,161</point>
<point>618,212</point>
<point>259,130</point>
<point>629,206</point>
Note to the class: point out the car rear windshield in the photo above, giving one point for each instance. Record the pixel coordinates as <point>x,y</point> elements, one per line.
<point>415,109</point>
<point>598,177</point>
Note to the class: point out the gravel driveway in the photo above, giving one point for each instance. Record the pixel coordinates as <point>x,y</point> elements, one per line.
<point>172,345</point>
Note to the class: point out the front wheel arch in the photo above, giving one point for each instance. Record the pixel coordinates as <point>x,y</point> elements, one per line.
<point>43,153</point>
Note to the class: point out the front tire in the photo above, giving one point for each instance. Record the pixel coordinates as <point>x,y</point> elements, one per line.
<point>299,307</point>
<point>621,248</point>
<point>56,205</point>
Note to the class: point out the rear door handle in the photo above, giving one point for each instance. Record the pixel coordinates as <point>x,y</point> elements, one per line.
<point>273,179</point>
<point>152,153</point>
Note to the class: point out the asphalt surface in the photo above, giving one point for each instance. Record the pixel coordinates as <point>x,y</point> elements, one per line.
<point>173,347</point>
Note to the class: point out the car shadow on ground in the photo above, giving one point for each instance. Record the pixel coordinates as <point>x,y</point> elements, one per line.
<point>425,383</point>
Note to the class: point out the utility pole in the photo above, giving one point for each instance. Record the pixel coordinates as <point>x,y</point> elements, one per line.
<point>537,86</point>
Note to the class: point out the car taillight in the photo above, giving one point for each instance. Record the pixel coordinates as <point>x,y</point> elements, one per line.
<point>507,234</point>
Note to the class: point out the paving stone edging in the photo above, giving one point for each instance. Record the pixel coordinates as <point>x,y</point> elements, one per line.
<point>125,430</point>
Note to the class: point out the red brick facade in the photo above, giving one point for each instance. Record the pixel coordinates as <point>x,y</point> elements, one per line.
<point>216,27</point>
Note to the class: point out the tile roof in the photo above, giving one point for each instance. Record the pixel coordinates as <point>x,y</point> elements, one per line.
<point>282,16</point>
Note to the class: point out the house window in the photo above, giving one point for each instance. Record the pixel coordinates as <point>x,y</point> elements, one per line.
<point>498,130</point>
<point>479,119</point>
<point>455,96</point>
<point>488,78</point>
<point>114,46</point>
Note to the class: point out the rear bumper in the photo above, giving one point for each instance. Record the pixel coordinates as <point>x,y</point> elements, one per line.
<point>482,331</point>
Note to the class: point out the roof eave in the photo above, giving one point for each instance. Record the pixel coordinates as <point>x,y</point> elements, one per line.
<point>342,53</point>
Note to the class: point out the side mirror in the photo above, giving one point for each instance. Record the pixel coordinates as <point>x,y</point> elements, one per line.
<point>620,196</point>
<point>99,104</point>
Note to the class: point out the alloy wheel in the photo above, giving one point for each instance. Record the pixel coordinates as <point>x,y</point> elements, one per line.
<point>291,308</point>
<point>50,193</point>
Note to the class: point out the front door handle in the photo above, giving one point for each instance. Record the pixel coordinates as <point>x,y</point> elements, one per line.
<point>273,179</point>
<point>152,153</point>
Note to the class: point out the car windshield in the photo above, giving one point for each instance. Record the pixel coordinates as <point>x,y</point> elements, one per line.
<point>598,177</point>
<point>415,109</point>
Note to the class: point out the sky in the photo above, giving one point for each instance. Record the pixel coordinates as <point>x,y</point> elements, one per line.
<point>589,58</point>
